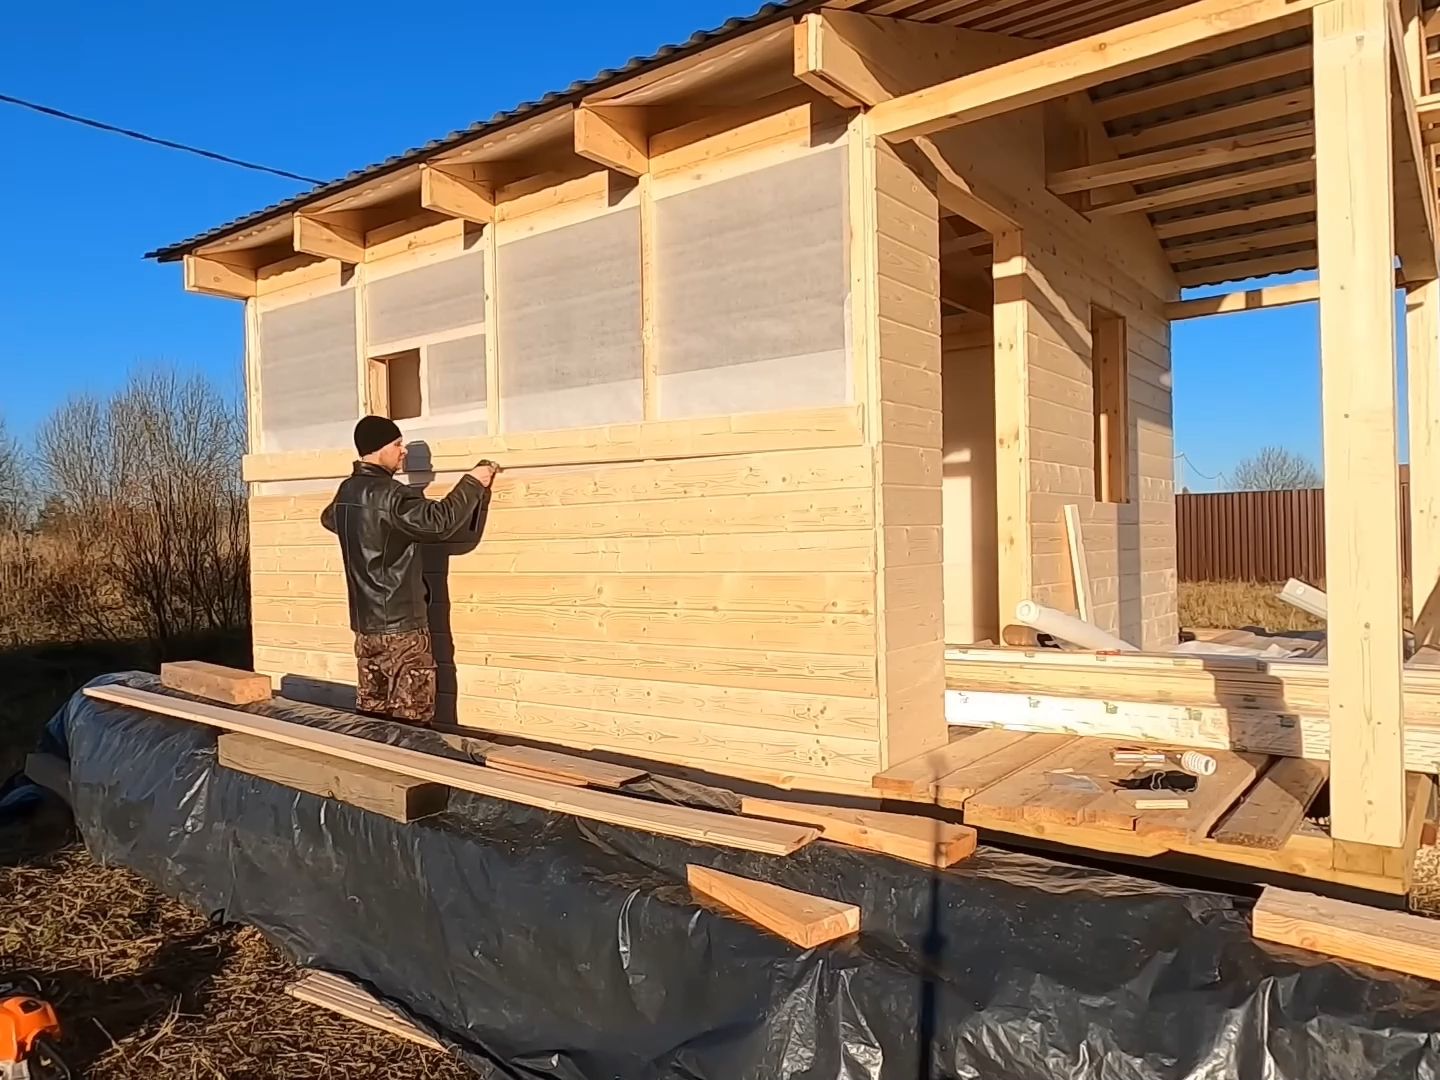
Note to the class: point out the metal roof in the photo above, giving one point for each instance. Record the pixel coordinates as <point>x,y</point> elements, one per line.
<point>770,12</point>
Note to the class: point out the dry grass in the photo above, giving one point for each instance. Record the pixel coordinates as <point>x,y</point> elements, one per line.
<point>148,989</point>
<point>1235,605</point>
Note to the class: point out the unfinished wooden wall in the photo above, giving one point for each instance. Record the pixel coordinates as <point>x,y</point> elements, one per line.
<point>1053,268</point>
<point>972,597</point>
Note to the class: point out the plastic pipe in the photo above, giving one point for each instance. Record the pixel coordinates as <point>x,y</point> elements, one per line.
<point>1068,628</point>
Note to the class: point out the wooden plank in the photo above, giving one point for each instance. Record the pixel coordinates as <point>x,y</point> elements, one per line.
<point>698,825</point>
<point>348,999</point>
<point>1413,164</point>
<point>1275,296</point>
<point>213,277</point>
<point>400,798</point>
<point>1216,80</point>
<point>1422,366</point>
<point>1201,191</point>
<point>564,767</point>
<point>1071,785</point>
<point>615,136</point>
<point>1249,268</point>
<point>1212,797</point>
<point>1249,216</point>
<point>49,772</point>
<point>1353,71</point>
<point>230,686</point>
<point>904,836</point>
<point>1282,104</point>
<point>1167,38</point>
<point>798,917</point>
<point>1079,564</point>
<point>915,777</point>
<point>446,191</point>
<point>955,788</point>
<point>1181,160</point>
<point>1306,232</point>
<point>1383,939</point>
<point>1269,813</point>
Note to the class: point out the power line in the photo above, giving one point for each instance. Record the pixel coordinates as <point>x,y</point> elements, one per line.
<point>1182,456</point>
<point>153,140</point>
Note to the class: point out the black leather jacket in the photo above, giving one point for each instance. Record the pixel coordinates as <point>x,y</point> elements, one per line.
<point>380,521</point>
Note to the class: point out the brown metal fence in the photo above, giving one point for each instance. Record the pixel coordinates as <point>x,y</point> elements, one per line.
<point>1261,535</point>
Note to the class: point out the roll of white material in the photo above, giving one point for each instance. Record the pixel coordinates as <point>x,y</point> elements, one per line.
<point>1198,763</point>
<point>1068,628</point>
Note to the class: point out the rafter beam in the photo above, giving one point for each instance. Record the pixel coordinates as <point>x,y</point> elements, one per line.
<point>330,236</point>
<point>448,190</point>
<point>1215,187</point>
<point>614,136</point>
<point>1193,30</point>
<point>1185,159</point>
<point>1203,84</point>
<point>1276,296</point>
<point>861,60</point>
<point>212,277</point>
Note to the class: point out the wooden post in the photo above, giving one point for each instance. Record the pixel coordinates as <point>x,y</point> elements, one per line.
<point>1012,423</point>
<point>1357,353</point>
<point>1422,355</point>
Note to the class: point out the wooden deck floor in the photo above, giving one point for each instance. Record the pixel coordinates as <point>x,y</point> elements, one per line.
<point>1061,789</point>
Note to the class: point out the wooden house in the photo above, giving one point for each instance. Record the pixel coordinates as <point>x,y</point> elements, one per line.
<point>797,341</point>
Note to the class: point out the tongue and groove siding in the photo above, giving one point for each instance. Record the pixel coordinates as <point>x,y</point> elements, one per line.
<point>717,613</point>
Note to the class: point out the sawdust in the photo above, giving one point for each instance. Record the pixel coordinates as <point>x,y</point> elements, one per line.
<point>148,989</point>
<point>1425,884</point>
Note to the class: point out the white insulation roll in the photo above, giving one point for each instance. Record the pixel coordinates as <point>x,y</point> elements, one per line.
<point>1068,628</point>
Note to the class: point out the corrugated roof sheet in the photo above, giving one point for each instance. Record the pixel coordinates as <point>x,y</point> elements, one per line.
<point>769,13</point>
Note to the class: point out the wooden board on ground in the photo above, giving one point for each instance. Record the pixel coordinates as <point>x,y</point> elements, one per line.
<point>401,798</point>
<point>798,917</point>
<point>1071,785</point>
<point>352,1001</point>
<point>562,768</point>
<point>917,779</point>
<point>228,685</point>
<point>1267,815</point>
<point>50,772</point>
<point>904,836</point>
<point>1386,939</point>
<point>702,826</point>
<point>1013,754</point>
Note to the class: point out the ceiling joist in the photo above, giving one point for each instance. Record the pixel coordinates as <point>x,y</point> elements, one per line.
<point>212,277</point>
<point>1204,84</point>
<point>614,136</point>
<point>457,191</point>
<point>1182,160</point>
<point>1211,189</point>
<point>330,236</point>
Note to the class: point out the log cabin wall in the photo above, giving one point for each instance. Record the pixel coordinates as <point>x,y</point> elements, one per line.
<point>674,573</point>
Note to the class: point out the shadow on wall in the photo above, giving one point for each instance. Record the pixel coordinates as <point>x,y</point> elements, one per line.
<point>437,582</point>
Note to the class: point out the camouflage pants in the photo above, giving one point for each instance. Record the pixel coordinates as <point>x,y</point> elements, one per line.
<point>396,676</point>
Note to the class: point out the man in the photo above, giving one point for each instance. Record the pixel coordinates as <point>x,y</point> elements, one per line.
<point>380,523</point>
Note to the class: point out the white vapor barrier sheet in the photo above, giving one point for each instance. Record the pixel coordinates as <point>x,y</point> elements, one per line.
<point>433,298</point>
<point>570,324</point>
<point>309,374</point>
<point>454,391</point>
<point>753,290</point>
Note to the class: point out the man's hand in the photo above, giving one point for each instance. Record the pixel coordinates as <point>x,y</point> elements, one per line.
<point>485,472</point>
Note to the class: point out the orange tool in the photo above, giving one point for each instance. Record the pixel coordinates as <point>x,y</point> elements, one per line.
<point>29,1028</point>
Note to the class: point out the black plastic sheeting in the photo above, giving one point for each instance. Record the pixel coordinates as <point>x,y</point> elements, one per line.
<point>540,945</point>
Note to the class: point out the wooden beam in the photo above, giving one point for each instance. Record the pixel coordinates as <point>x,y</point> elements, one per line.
<point>1294,104</point>
<point>1384,939</point>
<point>1276,296</point>
<point>212,277</point>
<point>330,237</point>
<point>1414,179</point>
<point>1211,188</point>
<point>400,798</point>
<point>1079,564</point>
<point>1198,28</point>
<point>700,825</point>
<point>614,136</point>
<point>446,191</point>
<point>1427,108</point>
<point>1267,815</point>
<point>1185,159</point>
<point>1422,366</point>
<point>1246,243</point>
<point>1273,210</point>
<point>798,917</point>
<point>903,836</point>
<point>1262,266</point>
<point>229,686</point>
<point>861,60</point>
<point>1205,83</point>
<point>1353,78</point>
<point>563,767</point>
<point>345,998</point>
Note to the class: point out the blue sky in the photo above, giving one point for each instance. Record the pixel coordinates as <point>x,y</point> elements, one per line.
<point>330,91</point>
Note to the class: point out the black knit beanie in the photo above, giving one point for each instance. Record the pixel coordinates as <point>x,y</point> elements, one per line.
<point>374,432</point>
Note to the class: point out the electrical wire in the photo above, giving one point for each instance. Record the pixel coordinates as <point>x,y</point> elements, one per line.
<point>1182,456</point>
<point>153,140</point>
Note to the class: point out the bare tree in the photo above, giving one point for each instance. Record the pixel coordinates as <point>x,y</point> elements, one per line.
<point>146,489</point>
<point>15,490</point>
<point>1275,469</point>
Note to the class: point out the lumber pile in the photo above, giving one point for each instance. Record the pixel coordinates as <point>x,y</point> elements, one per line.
<point>354,1002</point>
